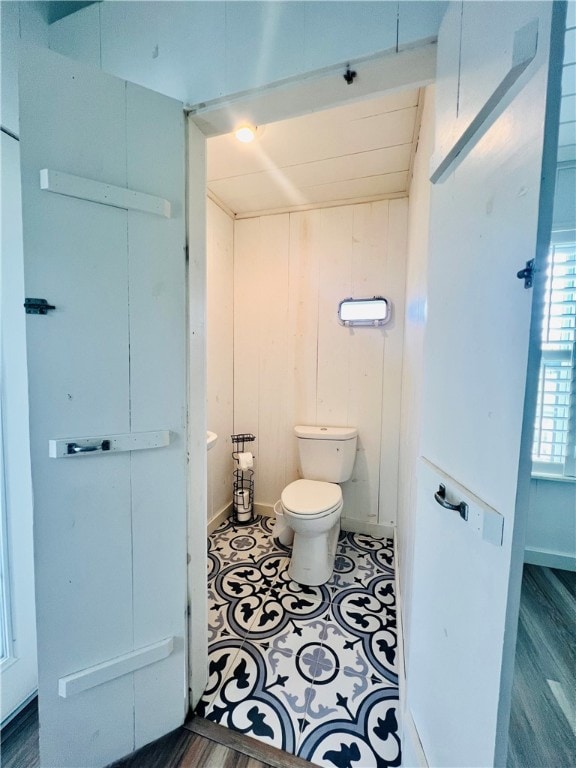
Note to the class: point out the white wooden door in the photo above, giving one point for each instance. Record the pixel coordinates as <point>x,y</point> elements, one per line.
<point>484,227</point>
<point>104,236</point>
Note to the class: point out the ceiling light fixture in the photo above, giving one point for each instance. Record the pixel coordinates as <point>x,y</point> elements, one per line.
<point>245,134</point>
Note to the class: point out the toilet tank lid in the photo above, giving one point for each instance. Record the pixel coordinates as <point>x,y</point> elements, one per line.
<point>326,433</point>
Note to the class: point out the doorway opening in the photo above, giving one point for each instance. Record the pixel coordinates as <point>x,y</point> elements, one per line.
<point>314,210</point>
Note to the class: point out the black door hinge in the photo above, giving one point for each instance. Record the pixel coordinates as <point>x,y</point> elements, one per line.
<point>527,274</point>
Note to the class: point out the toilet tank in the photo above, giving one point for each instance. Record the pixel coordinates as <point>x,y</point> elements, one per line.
<point>326,453</point>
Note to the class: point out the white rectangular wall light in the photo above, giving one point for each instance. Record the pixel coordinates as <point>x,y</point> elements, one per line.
<point>372,312</point>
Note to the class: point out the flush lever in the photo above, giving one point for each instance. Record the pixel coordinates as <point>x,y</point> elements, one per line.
<point>461,507</point>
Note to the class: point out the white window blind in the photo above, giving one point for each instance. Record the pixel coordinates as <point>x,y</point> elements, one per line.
<point>555,426</point>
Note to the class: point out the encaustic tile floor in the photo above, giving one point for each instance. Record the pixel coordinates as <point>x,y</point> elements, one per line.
<point>310,670</point>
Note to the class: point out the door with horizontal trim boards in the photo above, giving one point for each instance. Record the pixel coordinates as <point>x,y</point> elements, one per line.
<point>497,104</point>
<point>104,235</point>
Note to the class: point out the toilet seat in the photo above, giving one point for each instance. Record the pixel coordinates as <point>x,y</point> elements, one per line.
<point>311,498</point>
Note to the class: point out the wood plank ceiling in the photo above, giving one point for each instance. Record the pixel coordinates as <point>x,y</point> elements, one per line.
<point>360,151</point>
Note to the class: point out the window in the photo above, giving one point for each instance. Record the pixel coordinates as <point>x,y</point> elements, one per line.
<point>554,449</point>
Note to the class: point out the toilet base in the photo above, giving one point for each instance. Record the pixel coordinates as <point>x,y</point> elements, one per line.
<point>312,561</point>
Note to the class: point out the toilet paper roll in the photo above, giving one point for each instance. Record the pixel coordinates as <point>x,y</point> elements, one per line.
<point>242,500</point>
<point>245,460</point>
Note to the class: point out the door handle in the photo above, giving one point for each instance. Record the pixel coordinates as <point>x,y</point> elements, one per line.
<point>440,497</point>
<point>75,448</point>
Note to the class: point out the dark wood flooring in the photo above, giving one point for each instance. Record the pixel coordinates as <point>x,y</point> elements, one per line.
<point>197,744</point>
<point>19,741</point>
<point>200,743</point>
<point>543,718</point>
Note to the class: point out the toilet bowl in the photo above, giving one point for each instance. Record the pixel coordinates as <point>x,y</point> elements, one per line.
<point>312,509</point>
<point>312,506</point>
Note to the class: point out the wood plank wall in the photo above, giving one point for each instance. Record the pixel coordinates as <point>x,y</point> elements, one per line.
<point>294,363</point>
<point>219,354</point>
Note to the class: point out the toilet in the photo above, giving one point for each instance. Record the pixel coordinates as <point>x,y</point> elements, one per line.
<point>312,506</point>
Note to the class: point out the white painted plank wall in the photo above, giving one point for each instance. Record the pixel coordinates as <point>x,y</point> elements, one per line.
<point>219,354</point>
<point>261,265</point>
<point>413,365</point>
<point>273,373</point>
<point>197,52</point>
<point>305,232</point>
<point>551,524</point>
<point>247,321</point>
<point>392,373</point>
<point>19,23</point>
<point>293,361</point>
<point>370,254</point>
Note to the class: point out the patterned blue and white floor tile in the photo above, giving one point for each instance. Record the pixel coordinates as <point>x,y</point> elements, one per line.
<point>310,670</point>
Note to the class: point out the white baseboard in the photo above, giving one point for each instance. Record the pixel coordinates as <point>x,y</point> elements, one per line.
<point>346,523</point>
<point>413,755</point>
<point>549,558</point>
<point>267,510</point>
<point>400,629</point>
<point>363,526</point>
<point>219,518</point>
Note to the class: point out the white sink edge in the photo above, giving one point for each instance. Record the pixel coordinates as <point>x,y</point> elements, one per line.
<point>211,439</point>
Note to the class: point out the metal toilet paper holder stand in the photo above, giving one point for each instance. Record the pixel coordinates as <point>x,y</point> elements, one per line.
<point>243,485</point>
